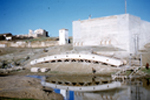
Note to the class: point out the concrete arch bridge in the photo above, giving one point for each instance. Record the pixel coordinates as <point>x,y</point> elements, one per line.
<point>80,58</point>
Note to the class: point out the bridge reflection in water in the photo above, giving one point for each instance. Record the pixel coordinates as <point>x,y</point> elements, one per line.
<point>126,92</point>
<point>136,89</point>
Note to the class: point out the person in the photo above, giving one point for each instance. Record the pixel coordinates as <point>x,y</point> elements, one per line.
<point>147,66</point>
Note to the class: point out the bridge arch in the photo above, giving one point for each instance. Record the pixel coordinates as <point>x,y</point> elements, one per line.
<point>81,58</point>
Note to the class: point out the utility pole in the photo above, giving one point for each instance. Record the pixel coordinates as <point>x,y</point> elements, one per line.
<point>125,6</point>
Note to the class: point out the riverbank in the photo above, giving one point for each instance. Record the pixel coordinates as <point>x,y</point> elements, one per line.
<point>16,86</point>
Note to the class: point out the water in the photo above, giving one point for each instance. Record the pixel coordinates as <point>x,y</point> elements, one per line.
<point>68,95</point>
<point>136,89</point>
<point>126,93</point>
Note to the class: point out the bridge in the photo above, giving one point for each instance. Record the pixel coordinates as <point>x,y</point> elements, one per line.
<point>80,58</point>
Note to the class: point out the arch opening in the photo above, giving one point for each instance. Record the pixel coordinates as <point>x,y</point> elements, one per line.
<point>74,83</point>
<point>59,60</point>
<point>95,62</point>
<point>81,83</point>
<point>67,83</point>
<point>104,82</point>
<point>59,82</point>
<point>73,60</point>
<point>66,60</point>
<point>53,61</point>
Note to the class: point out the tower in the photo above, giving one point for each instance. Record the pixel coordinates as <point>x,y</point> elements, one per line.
<point>63,36</point>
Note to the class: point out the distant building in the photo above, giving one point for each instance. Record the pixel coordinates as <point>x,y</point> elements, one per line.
<point>6,36</point>
<point>38,33</point>
<point>124,31</point>
<point>63,36</point>
<point>35,34</point>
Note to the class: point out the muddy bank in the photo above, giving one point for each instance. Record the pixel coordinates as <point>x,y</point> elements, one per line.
<point>25,87</point>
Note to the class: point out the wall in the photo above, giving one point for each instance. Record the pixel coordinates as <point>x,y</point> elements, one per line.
<point>33,45</point>
<point>124,31</point>
<point>95,31</point>
<point>76,33</point>
<point>122,37</point>
<point>134,32</point>
<point>145,34</point>
<point>139,33</point>
<point>105,31</point>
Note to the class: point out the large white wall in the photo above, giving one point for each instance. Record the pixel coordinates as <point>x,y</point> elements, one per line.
<point>124,31</point>
<point>134,32</point>
<point>145,34</point>
<point>105,31</point>
<point>139,33</point>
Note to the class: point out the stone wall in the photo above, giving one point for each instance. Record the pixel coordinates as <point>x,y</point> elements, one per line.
<point>32,45</point>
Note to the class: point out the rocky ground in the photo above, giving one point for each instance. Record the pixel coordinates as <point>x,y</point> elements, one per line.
<point>25,87</point>
<point>14,65</point>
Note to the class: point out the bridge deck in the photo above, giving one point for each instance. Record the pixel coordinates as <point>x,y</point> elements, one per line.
<point>90,58</point>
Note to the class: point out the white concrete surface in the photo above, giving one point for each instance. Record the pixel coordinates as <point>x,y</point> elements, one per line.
<point>35,69</point>
<point>63,36</point>
<point>44,69</point>
<point>2,45</point>
<point>103,59</point>
<point>119,31</point>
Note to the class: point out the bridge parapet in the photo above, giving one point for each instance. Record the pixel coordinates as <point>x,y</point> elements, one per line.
<point>90,58</point>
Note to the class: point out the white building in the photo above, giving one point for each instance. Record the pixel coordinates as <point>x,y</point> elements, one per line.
<point>124,31</point>
<point>34,34</point>
<point>38,33</point>
<point>63,36</point>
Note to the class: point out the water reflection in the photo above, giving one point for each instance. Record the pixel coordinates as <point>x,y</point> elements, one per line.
<point>135,89</point>
<point>124,93</point>
<point>68,95</point>
<point>131,90</point>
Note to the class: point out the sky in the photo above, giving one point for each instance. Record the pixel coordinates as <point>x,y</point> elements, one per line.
<point>18,16</point>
